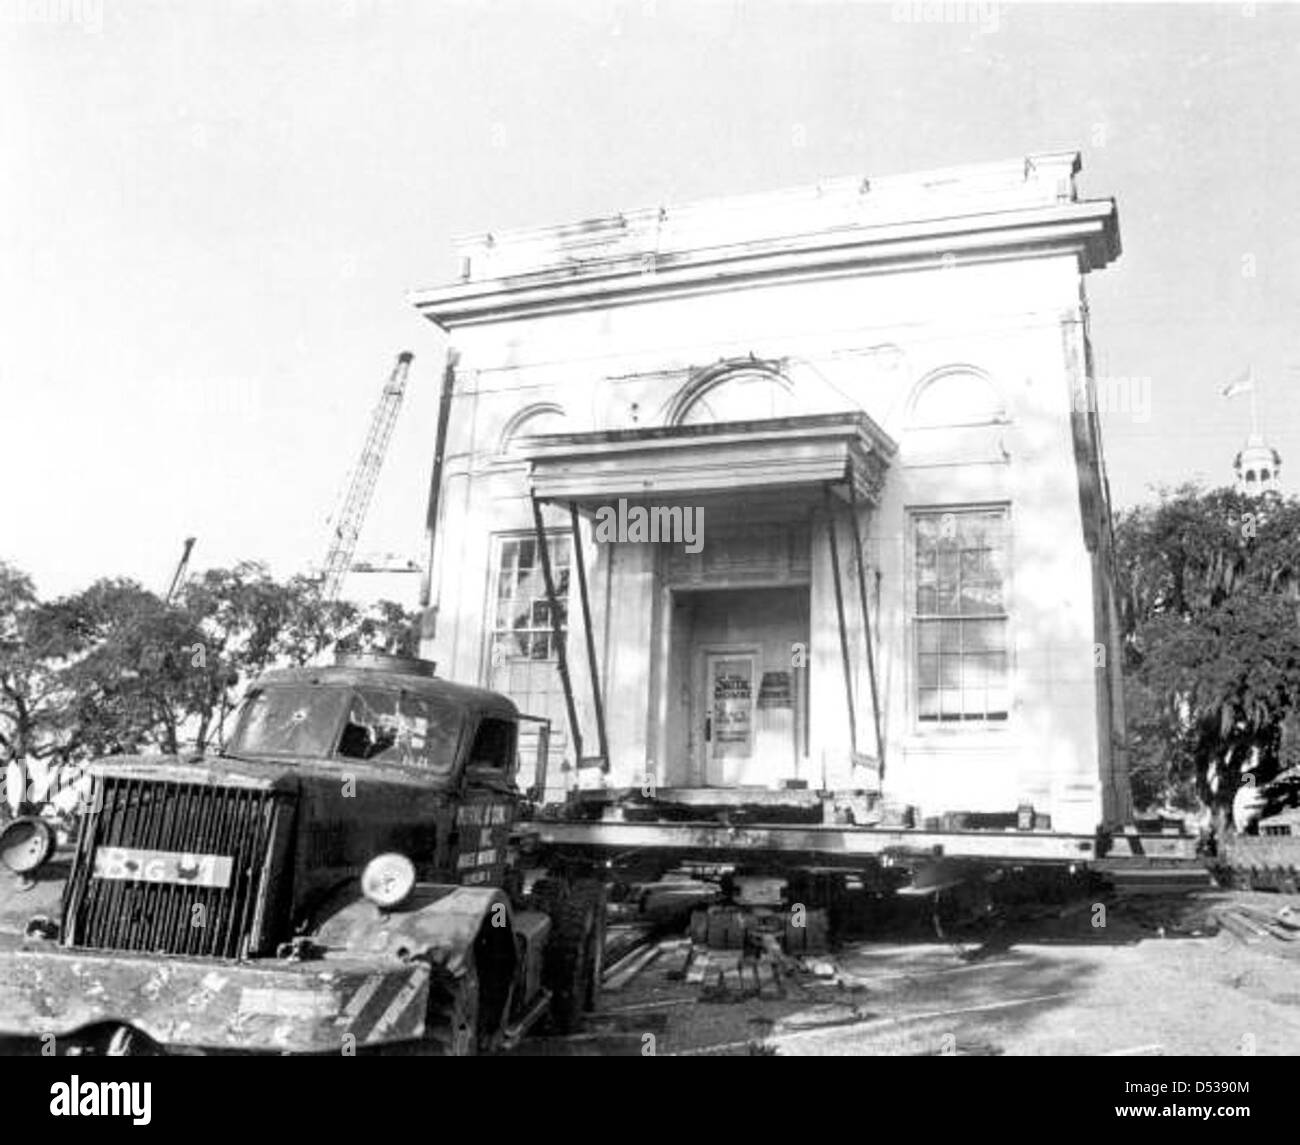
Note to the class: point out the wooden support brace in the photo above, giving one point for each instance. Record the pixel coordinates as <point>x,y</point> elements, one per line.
<point>544,553</point>
<point>581,561</point>
<point>839,612</point>
<point>866,623</point>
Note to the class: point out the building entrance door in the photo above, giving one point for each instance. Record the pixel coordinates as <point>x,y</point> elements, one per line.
<point>736,715</point>
<point>729,703</point>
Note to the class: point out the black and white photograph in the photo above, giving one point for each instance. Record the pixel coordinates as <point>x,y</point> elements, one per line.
<point>597,529</point>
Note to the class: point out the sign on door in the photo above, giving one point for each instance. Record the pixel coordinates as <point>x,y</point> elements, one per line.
<point>731,684</point>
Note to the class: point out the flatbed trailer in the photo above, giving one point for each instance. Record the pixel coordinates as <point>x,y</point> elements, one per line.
<point>827,845</point>
<point>637,839</point>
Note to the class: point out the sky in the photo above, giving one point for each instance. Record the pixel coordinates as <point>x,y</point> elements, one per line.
<point>211,215</point>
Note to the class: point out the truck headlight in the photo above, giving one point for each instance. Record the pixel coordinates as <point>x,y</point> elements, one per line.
<point>25,844</point>
<point>388,880</point>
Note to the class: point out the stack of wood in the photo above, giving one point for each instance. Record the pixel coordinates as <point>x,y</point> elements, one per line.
<point>737,974</point>
<point>1255,925</point>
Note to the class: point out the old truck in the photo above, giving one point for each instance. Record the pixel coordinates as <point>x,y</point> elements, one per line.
<point>339,879</point>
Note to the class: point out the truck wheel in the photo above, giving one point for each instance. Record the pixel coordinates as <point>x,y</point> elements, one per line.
<point>452,1026</point>
<point>576,956</point>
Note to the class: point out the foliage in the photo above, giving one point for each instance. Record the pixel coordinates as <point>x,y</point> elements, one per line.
<point>1209,602</point>
<point>36,639</point>
<point>115,668</point>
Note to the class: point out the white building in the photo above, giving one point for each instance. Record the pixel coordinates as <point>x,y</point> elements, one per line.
<point>1257,467</point>
<point>900,364</point>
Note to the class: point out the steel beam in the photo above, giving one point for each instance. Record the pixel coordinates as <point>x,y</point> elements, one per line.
<point>719,840</point>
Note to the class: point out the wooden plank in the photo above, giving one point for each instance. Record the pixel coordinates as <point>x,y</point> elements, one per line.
<point>1237,927</point>
<point>623,972</point>
<point>674,956</point>
<point>1267,924</point>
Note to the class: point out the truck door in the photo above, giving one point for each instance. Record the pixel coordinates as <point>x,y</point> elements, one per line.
<point>487,808</point>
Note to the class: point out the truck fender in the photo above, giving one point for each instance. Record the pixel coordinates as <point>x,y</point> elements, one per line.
<point>439,924</point>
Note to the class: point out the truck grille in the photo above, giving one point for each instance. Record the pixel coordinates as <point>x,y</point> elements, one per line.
<point>173,917</point>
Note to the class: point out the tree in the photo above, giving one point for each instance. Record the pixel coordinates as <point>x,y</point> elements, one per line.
<point>115,669</point>
<point>36,642</point>
<point>251,622</point>
<point>146,671</point>
<point>1210,617</point>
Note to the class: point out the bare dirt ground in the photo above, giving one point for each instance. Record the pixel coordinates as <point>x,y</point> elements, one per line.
<point>1161,977</point>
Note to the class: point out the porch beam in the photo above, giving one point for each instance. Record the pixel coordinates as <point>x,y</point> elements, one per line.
<point>581,561</point>
<point>544,551</point>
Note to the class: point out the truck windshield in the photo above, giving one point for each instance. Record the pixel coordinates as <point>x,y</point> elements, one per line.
<point>290,721</point>
<point>380,724</point>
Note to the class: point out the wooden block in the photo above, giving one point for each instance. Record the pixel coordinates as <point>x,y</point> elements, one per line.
<point>726,960</point>
<point>699,964</point>
<point>719,927</point>
<point>733,982</point>
<point>674,958</point>
<point>700,926</point>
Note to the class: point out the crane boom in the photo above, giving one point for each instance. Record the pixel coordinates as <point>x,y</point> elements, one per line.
<point>178,577</point>
<point>356,501</point>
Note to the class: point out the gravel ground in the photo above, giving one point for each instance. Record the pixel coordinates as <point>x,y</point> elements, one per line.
<point>1159,978</point>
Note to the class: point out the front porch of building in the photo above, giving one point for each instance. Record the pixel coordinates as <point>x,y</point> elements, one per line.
<point>742,663</point>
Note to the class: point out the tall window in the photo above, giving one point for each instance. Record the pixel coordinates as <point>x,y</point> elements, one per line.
<point>522,654</point>
<point>959,615</point>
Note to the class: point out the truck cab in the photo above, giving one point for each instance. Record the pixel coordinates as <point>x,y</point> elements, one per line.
<point>340,878</point>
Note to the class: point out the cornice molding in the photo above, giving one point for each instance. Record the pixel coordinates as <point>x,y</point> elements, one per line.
<point>1089,230</point>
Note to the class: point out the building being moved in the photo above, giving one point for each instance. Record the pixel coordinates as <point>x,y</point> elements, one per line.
<point>824,466</point>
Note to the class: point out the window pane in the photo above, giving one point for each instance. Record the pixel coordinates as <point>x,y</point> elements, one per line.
<point>984,635</point>
<point>980,599</point>
<point>959,561</point>
<point>927,635</point>
<point>290,721</point>
<point>419,731</point>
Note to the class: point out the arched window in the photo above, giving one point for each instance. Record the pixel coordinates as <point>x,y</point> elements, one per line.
<point>959,395</point>
<point>737,394</point>
<point>1250,476</point>
<point>1263,474</point>
<point>544,417</point>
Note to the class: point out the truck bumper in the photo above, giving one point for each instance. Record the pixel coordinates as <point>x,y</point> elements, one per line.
<point>324,1006</point>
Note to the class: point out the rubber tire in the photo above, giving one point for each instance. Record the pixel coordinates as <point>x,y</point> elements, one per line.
<point>576,954</point>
